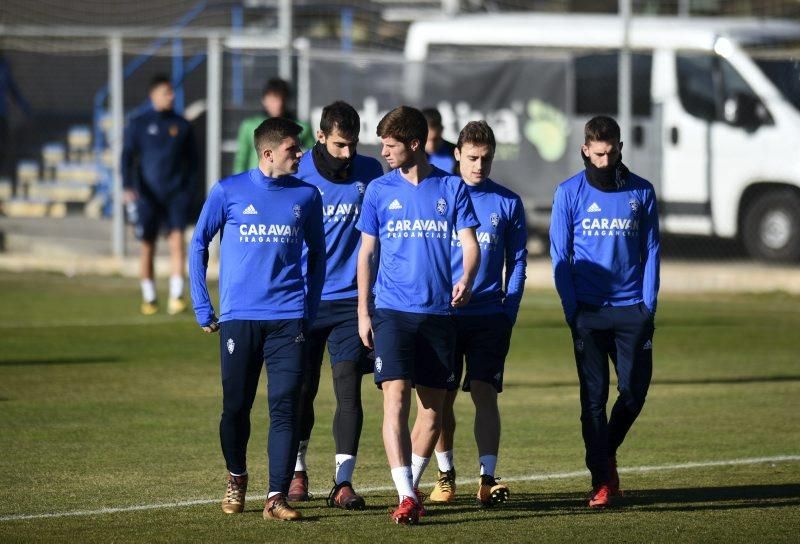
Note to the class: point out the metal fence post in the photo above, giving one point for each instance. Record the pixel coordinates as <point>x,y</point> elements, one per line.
<point>115,84</point>
<point>303,47</point>
<point>285,31</point>
<point>214,111</point>
<point>625,87</point>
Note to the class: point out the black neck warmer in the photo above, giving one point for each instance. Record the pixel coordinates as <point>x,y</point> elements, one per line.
<point>328,166</point>
<point>608,178</point>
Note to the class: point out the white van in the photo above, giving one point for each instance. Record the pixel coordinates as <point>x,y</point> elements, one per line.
<point>716,111</point>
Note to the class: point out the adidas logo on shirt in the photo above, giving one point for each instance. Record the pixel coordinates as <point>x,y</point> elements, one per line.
<point>594,208</point>
<point>395,205</point>
<point>250,210</point>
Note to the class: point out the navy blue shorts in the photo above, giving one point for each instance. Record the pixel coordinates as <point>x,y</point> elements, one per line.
<point>172,214</point>
<point>416,347</point>
<point>337,324</point>
<point>482,342</point>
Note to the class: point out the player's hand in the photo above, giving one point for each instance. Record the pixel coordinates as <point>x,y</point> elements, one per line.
<point>212,327</point>
<point>462,292</point>
<point>365,330</point>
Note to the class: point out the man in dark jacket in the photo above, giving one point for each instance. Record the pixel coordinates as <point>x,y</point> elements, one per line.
<point>159,165</point>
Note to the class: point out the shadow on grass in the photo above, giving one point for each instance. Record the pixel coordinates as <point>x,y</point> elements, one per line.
<point>688,381</point>
<point>524,505</point>
<point>61,361</point>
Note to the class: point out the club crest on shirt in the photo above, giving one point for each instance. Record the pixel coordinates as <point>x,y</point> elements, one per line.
<point>297,211</point>
<point>494,219</point>
<point>634,204</point>
<point>441,206</point>
<point>173,130</point>
<point>361,187</point>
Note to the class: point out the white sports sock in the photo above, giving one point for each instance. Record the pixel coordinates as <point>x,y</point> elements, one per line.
<point>418,465</point>
<point>345,464</point>
<point>239,475</point>
<point>148,290</point>
<point>444,459</point>
<point>300,464</point>
<point>488,464</point>
<point>273,493</point>
<point>402,481</point>
<point>175,286</point>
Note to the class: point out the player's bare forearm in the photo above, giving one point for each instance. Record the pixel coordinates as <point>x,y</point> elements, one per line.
<point>462,290</point>
<point>365,265</point>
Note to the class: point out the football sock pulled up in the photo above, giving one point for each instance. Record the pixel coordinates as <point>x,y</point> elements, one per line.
<point>445,460</point>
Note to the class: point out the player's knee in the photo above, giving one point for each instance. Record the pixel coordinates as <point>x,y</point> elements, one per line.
<point>235,412</point>
<point>285,394</point>
<point>484,395</point>
<point>593,411</point>
<point>347,384</point>
<point>632,400</point>
<point>429,420</point>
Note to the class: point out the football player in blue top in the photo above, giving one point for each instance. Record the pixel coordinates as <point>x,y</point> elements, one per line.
<point>440,151</point>
<point>267,302</point>
<point>342,176</point>
<point>604,242</point>
<point>406,223</point>
<point>484,325</point>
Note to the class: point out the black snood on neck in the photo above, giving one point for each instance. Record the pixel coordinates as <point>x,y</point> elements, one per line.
<point>608,178</point>
<point>328,166</point>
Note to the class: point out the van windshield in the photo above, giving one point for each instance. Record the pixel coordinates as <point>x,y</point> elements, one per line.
<point>781,64</point>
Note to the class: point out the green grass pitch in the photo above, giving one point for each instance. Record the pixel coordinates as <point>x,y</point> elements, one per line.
<point>101,408</point>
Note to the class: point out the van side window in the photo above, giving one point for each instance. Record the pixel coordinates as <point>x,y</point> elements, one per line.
<point>733,82</point>
<point>597,83</point>
<point>696,85</point>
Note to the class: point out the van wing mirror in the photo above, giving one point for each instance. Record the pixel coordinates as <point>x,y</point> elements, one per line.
<point>746,111</point>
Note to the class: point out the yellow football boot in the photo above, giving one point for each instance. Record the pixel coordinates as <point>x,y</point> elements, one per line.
<point>444,490</point>
<point>233,502</point>
<point>490,492</point>
<point>149,308</point>
<point>176,306</point>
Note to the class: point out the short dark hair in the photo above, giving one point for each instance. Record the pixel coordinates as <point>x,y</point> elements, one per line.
<point>276,85</point>
<point>404,124</point>
<point>273,131</point>
<point>340,116</point>
<point>433,117</point>
<point>601,129</point>
<point>158,80</point>
<point>477,133</point>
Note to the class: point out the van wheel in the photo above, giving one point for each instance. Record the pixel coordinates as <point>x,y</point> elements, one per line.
<point>771,227</point>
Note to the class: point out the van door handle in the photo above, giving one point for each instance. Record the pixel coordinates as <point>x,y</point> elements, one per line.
<point>673,135</point>
<point>638,135</point>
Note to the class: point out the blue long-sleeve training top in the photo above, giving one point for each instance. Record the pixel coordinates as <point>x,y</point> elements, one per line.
<point>264,222</point>
<point>159,155</point>
<point>413,224</point>
<point>341,206</point>
<point>605,245</point>
<point>502,238</point>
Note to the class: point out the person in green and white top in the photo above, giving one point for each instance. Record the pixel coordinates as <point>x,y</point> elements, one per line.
<point>274,99</point>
